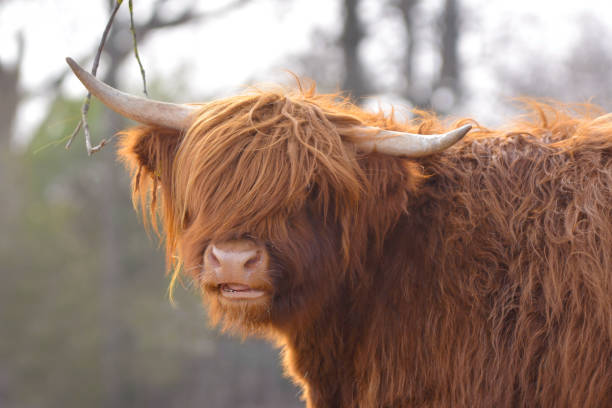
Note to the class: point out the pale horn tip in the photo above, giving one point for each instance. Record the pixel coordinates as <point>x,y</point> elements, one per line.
<point>460,132</point>
<point>73,64</point>
<point>413,145</point>
<point>85,77</point>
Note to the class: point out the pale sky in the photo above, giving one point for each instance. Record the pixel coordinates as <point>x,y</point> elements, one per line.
<point>220,56</point>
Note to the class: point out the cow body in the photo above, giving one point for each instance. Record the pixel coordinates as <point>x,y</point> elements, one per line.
<point>476,277</point>
<point>494,288</point>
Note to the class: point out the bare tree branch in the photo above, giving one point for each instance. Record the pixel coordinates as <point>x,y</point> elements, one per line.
<point>133,30</point>
<point>83,123</point>
<point>187,16</point>
<point>155,22</point>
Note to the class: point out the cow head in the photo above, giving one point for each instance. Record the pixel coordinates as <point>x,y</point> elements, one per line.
<point>269,200</point>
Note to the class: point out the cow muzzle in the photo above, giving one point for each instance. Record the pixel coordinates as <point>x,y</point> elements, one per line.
<point>237,270</point>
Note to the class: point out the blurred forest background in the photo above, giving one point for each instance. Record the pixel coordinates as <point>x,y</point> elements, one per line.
<point>85,319</point>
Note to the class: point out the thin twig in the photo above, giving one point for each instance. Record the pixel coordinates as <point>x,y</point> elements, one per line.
<point>85,108</point>
<point>74,133</point>
<point>133,30</point>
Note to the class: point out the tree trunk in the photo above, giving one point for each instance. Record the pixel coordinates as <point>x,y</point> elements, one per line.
<point>110,265</point>
<point>449,72</point>
<point>9,89</point>
<point>407,9</point>
<point>352,34</point>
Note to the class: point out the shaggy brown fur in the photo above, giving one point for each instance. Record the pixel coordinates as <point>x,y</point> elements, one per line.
<point>479,277</point>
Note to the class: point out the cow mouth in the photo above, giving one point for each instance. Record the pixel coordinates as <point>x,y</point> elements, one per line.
<point>239,291</point>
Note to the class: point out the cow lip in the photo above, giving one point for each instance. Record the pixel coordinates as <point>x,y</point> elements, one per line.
<point>239,291</point>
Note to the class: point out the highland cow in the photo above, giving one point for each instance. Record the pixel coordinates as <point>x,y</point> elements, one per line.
<point>395,269</point>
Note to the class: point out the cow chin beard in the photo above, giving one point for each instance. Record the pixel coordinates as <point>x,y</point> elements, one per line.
<point>243,318</point>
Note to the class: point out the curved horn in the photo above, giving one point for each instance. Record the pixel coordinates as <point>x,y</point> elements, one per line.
<point>408,144</point>
<point>146,111</point>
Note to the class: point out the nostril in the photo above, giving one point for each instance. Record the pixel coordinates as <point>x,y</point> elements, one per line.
<point>212,258</point>
<point>253,261</point>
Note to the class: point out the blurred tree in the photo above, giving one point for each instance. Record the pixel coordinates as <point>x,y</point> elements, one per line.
<point>449,32</point>
<point>10,98</point>
<point>322,62</point>
<point>355,81</point>
<point>445,89</point>
<point>440,90</point>
<point>407,8</point>
<point>582,74</point>
<point>11,95</point>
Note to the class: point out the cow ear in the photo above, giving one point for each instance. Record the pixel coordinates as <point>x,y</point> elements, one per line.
<point>148,152</point>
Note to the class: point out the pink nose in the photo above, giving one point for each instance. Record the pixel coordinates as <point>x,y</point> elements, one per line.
<point>238,261</point>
